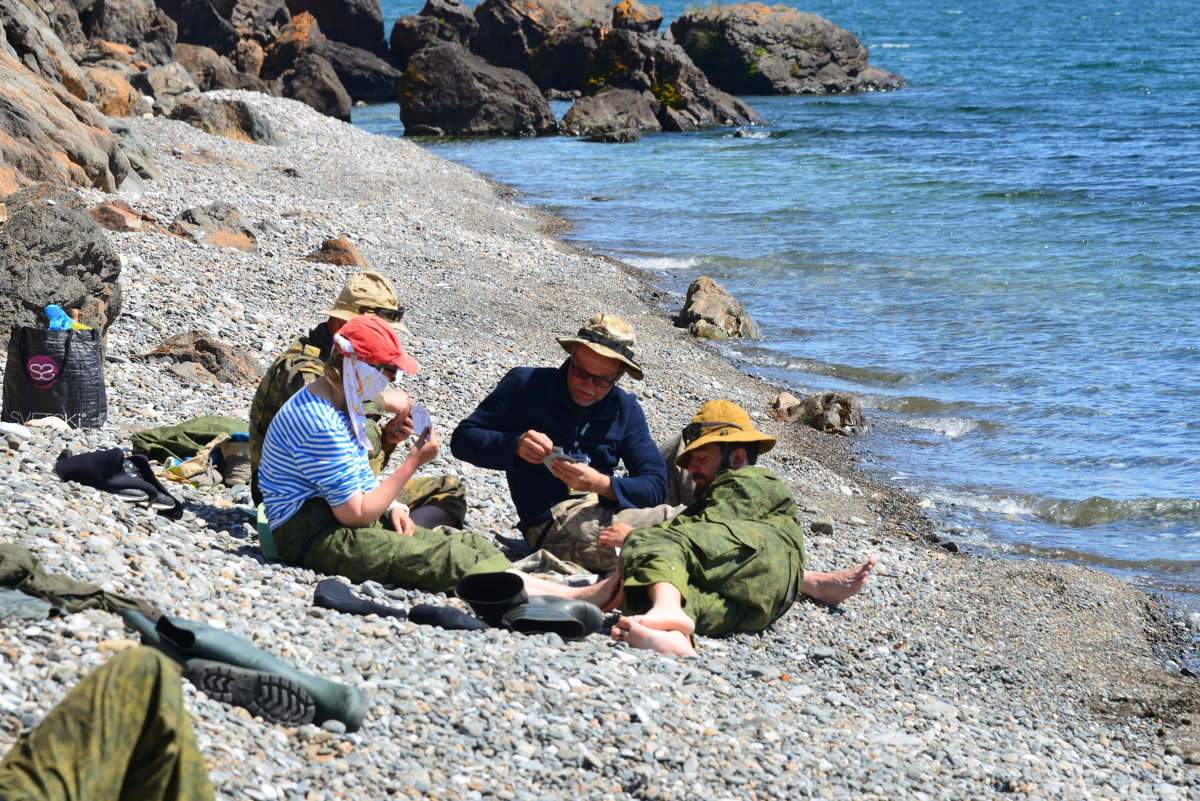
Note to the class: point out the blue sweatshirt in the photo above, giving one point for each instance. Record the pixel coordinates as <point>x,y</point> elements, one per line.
<point>609,431</point>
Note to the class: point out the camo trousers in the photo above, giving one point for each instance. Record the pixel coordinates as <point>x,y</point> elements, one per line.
<point>121,734</point>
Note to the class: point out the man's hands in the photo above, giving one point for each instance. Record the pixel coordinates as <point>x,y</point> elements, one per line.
<point>581,477</point>
<point>398,429</point>
<point>534,446</point>
<point>425,449</point>
<point>614,535</point>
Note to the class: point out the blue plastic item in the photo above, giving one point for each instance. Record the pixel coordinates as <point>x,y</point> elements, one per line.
<point>59,319</point>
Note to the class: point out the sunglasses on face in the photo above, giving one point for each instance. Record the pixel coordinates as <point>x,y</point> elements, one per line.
<point>382,312</point>
<point>598,381</point>
<point>693,431</point>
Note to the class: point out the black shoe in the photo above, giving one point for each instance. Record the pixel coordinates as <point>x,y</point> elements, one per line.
<point>262,694</point>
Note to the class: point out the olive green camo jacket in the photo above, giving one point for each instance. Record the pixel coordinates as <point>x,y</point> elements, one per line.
<point>736,555</point>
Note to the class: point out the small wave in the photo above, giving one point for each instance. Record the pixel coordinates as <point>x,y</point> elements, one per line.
<point>661,264</point>
<point>949,427</point>
<point>983,503</point>
<point>892,46</point>
<point>1096,510</point>
<point>748,133</point>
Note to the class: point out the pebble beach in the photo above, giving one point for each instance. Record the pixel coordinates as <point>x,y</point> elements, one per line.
<point>951,676</point>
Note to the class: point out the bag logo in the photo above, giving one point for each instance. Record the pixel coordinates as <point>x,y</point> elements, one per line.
<point>43,371</point>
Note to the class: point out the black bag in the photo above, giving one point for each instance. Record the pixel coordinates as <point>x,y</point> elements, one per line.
<point>55,373</point>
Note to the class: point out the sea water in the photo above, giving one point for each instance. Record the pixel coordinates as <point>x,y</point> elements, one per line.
<point>1002,259</point>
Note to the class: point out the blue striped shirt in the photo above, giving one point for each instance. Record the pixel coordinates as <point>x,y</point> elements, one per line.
<point>310,451</point>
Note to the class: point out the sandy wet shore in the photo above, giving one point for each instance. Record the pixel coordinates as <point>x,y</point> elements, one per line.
<point>950,676</point>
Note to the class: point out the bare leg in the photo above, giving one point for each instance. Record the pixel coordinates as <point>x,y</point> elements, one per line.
<point>630,630</point>
<point>605,593</point>
<point>666,610</point>
<point>833,588</point>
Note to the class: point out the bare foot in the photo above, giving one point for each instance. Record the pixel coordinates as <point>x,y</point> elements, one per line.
<point>833,588</point>
<point>640,636</point>
<point>605,593</point>
<point>666,618</point>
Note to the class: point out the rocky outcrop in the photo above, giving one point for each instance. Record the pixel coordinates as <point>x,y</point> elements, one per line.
<point>560,62</point>
<point>831,412</point>
<point>645,62</point>
<point>230,118</point>
<point>141,159</point>
<point>312,80</point>
<point>354,22</point>
<point>630,15</point>
<point>210,70</point>
<point>439,21</point>
<point>27,36</point>
<point>201,22</point>
<point>446,90</point>
<point>52,251</point>
<point>139,24</point>
<point>510,30</point>
<point>47,134</point>
<point>259,20</point>
<point>612,110</point>
<point>117,215</point>
<point>229,364</point>
<point>115,96</point>
<point>711,312</point>
<point>217,224</point>
<point>365,76</point>
<point>167,85</point>
<point>756,49</point>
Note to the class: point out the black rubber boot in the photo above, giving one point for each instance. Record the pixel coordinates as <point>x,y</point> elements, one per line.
<point>184,641</point>
<point>266,695</point>
<point>542,614</point>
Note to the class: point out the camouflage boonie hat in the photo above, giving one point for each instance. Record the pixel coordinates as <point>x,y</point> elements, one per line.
<point>609,336</point>
<point>721,422</point>
<point>369,293</point>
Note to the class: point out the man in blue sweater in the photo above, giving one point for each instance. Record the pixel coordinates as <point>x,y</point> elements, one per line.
<point>559,434</point>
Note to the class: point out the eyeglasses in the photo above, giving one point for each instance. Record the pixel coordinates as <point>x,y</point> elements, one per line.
<point>389,370</point>
<point>693,431</point>
<point>383,312</point>
<point>598,381</point>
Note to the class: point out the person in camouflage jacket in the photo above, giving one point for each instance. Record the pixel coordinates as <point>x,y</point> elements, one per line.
<point>733,560</point>
<point>434,500</point>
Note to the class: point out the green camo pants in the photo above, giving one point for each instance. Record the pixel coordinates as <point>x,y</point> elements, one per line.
<point>121,734</point>
<point>428,560</point>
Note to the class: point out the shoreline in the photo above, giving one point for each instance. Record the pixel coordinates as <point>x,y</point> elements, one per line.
<point>949,676</point>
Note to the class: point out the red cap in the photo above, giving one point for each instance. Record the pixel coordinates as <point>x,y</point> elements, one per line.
<point>375,342</point>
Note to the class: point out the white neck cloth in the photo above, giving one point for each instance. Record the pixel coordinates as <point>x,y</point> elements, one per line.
<point>360,381</point>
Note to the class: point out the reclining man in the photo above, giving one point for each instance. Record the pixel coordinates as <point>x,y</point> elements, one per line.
<point>434,500</point>
<point>732,561</point>
<point>562,503</point>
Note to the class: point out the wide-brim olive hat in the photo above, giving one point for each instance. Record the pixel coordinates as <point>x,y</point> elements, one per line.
<point>609,336</point>
<point>721,422</point>
<point>369,293</point>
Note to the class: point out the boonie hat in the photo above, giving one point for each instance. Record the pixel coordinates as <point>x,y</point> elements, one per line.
<point>369,293</point>
<point>609,336</point>
<point>375,342</point>
<point>721,422</point>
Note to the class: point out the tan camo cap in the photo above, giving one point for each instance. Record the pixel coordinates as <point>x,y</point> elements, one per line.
<point>721,421</point>
<point>609,336</point>
<point>365,292</point>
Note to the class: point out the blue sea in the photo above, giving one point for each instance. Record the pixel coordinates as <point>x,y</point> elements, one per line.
<point>1002,259</point>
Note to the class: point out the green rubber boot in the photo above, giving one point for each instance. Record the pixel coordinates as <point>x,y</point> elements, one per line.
<point>185,641</point>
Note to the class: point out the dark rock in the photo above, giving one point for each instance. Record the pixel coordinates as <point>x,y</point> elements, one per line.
<point>560,62</point>
<point>227,363</point>
<point>822,526</point>
<point>300,36</point>
<point>167,84</point>
<point>630,15</point>
<point>230,118</point>
<point>439,21</point>
<point>611,110</point>
<point>832,412</point>
<point>47,134</point>
<point>446,90</point>
<point>52,251</point>
<point>201,22</point>
<point>64,21</point>
<point>210,70</point>
<point>710,312</point>
<point>509,30</point>
<point>141,158</point>
<point>139,24</point>
<point>248,56</point>
<point>340,251</point>
<point>365,76</point>
<point>755,49</point>
<point>355,22</point>
<point>216,224</point>
<point>313,81</point>
<point>642,61</point>
<point>29,38</point>
<point>615,137</point>
<point>261,20</point>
